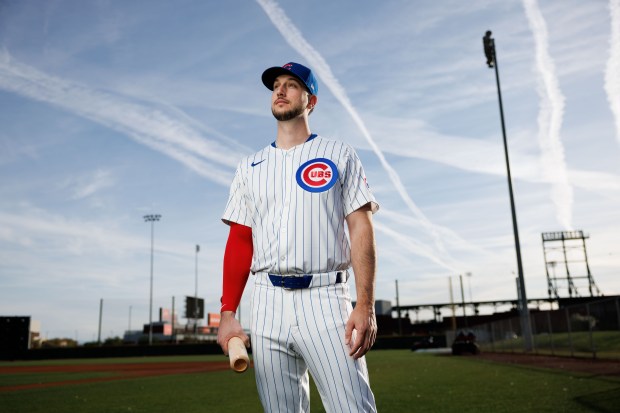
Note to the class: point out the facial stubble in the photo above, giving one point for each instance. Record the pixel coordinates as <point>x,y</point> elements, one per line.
<point>289,114</point>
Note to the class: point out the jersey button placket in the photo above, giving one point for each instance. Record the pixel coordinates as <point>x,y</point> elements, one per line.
<point>283,238</point>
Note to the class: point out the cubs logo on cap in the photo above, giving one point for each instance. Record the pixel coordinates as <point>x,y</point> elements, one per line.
<point>317,175</point>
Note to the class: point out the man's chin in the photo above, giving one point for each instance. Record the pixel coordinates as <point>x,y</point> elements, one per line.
<point>285,115</point>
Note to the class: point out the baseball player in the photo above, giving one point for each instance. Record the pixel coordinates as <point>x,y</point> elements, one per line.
<point>287,210</point>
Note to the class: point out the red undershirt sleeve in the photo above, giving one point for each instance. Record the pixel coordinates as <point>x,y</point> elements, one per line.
<point>237,262</point>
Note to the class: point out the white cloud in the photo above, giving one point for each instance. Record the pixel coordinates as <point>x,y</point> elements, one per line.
<point>416,139</point>
<point>550,118</point>
<point>85,187</point>
<point>612,71</point>
<point>42,230</point>
<point>150,126</point>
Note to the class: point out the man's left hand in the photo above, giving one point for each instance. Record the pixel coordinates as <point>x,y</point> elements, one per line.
<point>364,322</point>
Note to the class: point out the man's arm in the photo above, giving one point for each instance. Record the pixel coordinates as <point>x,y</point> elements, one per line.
<point>363,258</point>
<point>237,262</point>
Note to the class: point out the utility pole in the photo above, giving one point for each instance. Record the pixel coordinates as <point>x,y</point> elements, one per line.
<point>463,301</point>
<point>400,324</point>
<point>100,319</point>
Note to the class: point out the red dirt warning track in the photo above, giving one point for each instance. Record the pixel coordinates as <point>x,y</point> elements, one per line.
<point>119,371</point>
<point>599,367</point>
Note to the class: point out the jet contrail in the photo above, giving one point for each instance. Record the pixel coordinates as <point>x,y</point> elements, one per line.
<point>295,38</point>
<point>415,247</point>
<point>163,131</point>
<point>550,118</point>
<point>612,71</point>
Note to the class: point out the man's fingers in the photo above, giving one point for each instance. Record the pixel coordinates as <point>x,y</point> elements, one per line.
<point>244,338</point>
<point>225,348</point>
<point>363,343</point>
<point>363,347</point>
<point>359,342</point>
<point>347,332</point>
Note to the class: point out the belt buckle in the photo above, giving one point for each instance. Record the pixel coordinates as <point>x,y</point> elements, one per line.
<point>296,282</point>
<point>283,282</point>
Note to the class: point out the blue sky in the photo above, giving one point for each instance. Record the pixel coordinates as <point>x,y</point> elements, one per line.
<point>112,110</point>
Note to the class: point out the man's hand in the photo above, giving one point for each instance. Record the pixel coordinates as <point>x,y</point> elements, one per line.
<point>229,328</point>
<point>364,322</point>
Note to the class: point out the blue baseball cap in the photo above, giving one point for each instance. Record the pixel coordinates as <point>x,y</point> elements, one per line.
<point>301,72</point>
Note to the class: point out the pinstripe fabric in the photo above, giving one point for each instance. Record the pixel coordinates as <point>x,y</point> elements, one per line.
<point>295,231</point>
<point>298,228</point>
<point>300,331</point>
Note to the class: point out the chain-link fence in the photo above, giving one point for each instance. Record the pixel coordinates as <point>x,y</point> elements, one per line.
<point>584,330</point>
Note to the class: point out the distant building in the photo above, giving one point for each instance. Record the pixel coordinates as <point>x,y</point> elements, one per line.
<point>383,307</point>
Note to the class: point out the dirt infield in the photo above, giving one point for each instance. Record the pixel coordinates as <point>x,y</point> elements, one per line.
<point>596,367</point>
<point>118,371</point>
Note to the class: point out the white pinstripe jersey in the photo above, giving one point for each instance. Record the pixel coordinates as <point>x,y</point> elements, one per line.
<point>296,201</point>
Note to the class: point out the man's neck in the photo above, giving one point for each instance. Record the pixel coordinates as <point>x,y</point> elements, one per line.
<point>292,133</point>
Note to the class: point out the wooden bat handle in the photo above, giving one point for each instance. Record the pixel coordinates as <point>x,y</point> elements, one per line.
<point>239,360</point>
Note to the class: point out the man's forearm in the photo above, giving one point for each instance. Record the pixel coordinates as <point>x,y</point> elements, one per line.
<point>364,266</point>
<point>363,257</point>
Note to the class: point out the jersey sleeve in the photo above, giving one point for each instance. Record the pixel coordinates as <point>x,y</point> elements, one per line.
<point>355,189</point>
<point>237,262</point>
<point>236,208</point>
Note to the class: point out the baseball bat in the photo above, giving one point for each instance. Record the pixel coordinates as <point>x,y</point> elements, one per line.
<point>239,360</point>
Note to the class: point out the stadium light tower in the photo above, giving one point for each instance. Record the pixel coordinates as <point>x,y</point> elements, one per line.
<point>489,51</point>
<point>151,219</point>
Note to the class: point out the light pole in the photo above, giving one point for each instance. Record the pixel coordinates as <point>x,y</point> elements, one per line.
<point>489,51</point>
<point>196,294</point>
<point>151,219</point>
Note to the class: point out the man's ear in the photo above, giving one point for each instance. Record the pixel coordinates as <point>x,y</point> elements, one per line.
<point>312,101</point>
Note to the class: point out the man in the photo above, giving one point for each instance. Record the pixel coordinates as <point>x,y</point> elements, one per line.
<point>287,208</point>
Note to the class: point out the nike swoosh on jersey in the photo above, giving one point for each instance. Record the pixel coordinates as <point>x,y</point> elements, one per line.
<point>256,163</point>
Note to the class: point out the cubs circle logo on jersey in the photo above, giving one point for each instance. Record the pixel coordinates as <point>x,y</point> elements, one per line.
<point>317,175</point>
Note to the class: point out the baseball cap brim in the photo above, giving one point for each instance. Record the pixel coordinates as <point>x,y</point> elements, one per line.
<point>300,72</point>
<point>270,75</point>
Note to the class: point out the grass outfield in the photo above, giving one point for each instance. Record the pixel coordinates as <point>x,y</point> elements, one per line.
<point>606,344</point>
<point>401,380</point>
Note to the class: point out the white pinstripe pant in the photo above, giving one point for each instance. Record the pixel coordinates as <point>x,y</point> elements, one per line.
<point>294,331</point>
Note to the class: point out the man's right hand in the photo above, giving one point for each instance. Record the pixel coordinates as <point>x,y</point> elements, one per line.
<point>229,328</point>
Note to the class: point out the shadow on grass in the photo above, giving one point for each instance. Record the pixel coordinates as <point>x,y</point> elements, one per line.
<point>602,402</point>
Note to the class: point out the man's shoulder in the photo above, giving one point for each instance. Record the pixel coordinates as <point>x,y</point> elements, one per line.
<point>254,159</point>
<point>340,149</point>
<point>335,143</point>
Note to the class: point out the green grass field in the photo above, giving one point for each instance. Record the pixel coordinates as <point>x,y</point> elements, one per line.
<point>401,380</point>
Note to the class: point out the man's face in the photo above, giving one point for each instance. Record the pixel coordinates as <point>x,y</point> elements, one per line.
<point>289,98</point>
